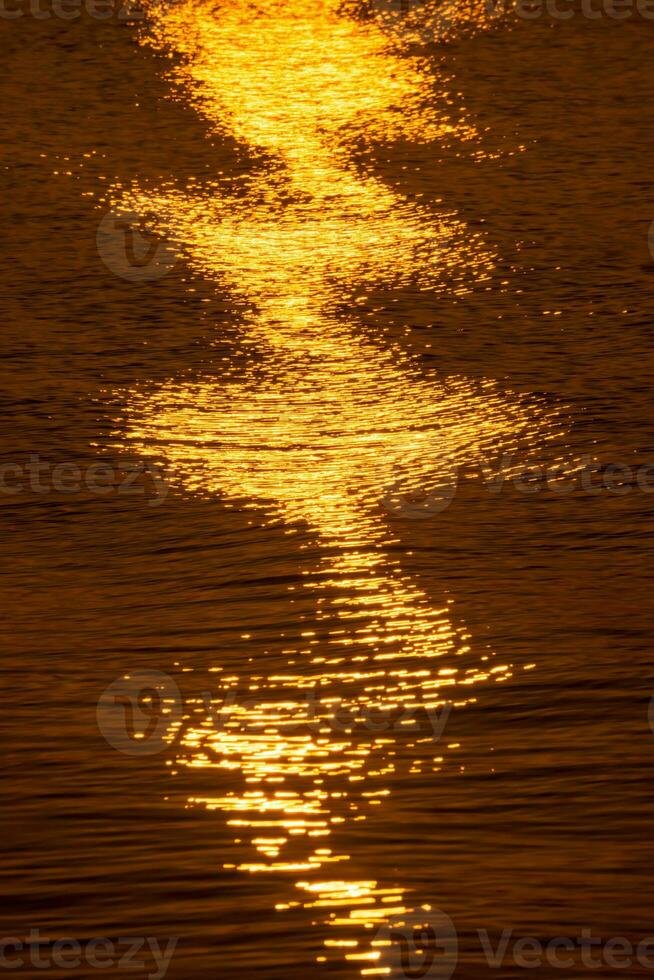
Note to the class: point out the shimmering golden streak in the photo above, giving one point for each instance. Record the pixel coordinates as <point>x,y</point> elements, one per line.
<point>323,421</point>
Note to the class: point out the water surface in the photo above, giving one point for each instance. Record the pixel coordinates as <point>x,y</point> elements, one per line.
<point>397,263</point>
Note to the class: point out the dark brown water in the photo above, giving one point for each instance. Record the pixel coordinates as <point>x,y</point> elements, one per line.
<point>392,683</point>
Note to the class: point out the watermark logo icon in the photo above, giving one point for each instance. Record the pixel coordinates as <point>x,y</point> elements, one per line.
<point>419,504</point>
<point>418,945</point>
<point>138,714</point>
<point>417,21</point>
<point>129,248</point>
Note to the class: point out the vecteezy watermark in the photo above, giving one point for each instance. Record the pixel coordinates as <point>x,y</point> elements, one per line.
<point>587,476</point>
<point>417,21</point>
<point>121,10</point>
<point>418,944</point>
<point>130,249</point>
<point>566,952</point>
<point>141,714</point>
<point>40,476</point>
<point>419,504</point>
<point>650,234</point>
<point>566,9</point>
<point>423,943</point>
<point>342,716</point>
<point>650,714</point>
<point>145,953</point>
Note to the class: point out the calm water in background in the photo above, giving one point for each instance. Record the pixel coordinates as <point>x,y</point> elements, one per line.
<point>396,261</point>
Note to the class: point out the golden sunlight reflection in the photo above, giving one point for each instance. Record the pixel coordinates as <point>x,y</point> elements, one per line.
<point>323,421</point>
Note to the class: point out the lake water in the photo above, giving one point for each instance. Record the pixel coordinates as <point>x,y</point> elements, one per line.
<point>327,484</point>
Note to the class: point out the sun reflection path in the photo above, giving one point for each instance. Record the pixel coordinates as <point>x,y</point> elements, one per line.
<point>324,418</point>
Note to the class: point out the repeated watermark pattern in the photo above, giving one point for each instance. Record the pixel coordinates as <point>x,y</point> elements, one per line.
<point>567,9</point>
<point>566,952</point>
<point>36,475</point>
<point>422,21</point>
<point>587,476</point>
<point>141,713</point>
<point>423,943</point>
<point>431,21</point>
<point>130,249</point>
<point>124,11</point>
<point>650,714</point>
<point>418,505</point>
<point>419,21</point>
<point>346,716</point>
<point>147,954</point>
<point>153,480</point>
